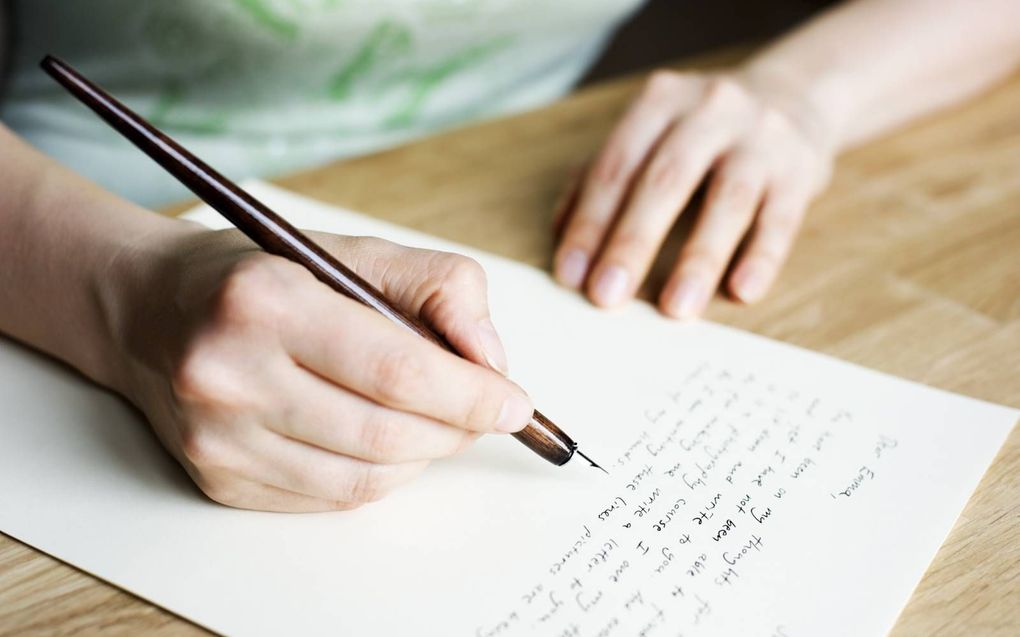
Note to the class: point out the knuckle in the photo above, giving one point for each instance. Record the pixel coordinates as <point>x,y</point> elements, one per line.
<point>628,244</point>
<point>663,83</point>
<point>585,232</point>
<point>395,374</point>
<point>463,272</point>
<point>372,257</point>
<point>202,383</point>
<point>666,171</point>
<point>340,505</point>
<point>782,222</point>
<point>383,438</point>
<point>367,485</point>
<point>218,491</point>
<point>202,449</point>
<point>458,277</point>
<point>608,169</point>
<point>221,491</point>
<point>723,90</point>
<point>726,104</point>
<point>245,295</point>
<point>369,245</point>
<point>738,193</point>
<point>701,259</point>
<point>195,379</point>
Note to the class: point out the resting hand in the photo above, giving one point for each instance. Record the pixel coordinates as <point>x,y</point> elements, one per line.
<point>277,393</point>
<point>764,164</point>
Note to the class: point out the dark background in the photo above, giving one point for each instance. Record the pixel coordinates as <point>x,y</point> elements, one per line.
<point>665,30</point>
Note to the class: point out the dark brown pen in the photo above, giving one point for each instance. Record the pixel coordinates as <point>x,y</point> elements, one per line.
<point>274,235</point>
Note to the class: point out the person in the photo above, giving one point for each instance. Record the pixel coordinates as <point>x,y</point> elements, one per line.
<point>208,336</point>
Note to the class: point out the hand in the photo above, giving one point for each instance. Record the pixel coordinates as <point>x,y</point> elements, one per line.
<point>765,166</point>
<point>277,393</point>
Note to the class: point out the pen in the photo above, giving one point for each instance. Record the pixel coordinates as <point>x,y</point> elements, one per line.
<point>275,235</point>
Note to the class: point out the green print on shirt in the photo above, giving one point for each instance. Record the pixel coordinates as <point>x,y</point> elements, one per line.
<point>386,40</point>
<point>265,16</point>
<point>425,81</point>
<point>213,122</point>
<point>385,51</point>
<point>385,69</point>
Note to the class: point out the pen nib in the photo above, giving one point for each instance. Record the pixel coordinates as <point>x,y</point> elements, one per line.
<point>591,462</point>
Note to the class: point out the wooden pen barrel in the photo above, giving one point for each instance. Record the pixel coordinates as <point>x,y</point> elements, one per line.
<point>547,440</point>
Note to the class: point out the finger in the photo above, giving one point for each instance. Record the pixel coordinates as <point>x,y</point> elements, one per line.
<point>245,494</point>
<point>356,348</point>
<point>568,199</point>
<point>308,470</point>
<point>222,460</point>
<point>769,244</point>
<point>662,191</point>
<point>613,170</point>
<point>448,291</point>
<point>452,297</point>
<point>321,414</point>
<point>730,205</point>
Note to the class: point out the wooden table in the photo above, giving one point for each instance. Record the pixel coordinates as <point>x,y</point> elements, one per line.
<point>909,264</point>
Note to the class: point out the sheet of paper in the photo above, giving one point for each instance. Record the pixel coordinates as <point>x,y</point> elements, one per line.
<point>755,489</point>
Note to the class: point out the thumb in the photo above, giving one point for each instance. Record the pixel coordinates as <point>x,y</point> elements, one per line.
<point>448,291</point>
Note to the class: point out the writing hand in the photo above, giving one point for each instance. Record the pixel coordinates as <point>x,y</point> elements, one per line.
<point>763,167</point>
<point>277,393</point>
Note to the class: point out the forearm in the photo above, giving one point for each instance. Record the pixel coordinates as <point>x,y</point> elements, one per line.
<point>61,238</point>
<point>868,66</point>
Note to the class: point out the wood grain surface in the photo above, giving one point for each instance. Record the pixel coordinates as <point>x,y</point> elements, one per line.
<point>909,264</point>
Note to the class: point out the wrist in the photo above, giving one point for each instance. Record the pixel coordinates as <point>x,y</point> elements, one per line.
<point>816,102</point>
<point>127,293</point>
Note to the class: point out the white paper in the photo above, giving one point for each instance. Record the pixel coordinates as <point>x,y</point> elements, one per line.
<point>868,474</point>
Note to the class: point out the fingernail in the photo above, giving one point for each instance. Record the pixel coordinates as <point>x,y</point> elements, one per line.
<point>751,285</point>
<point>573,267</point>
<point>515,414</point>
<point>492,347</point>
<point>689,299</point>
<point>611,287</point>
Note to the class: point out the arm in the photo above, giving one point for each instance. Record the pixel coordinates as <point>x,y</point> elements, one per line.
<point>765,135</point>
<point>869,66</point>
<point>272,391</point>
<point>59,239</point>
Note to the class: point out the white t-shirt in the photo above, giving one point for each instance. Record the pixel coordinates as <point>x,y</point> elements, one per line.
<point>259,87</point>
